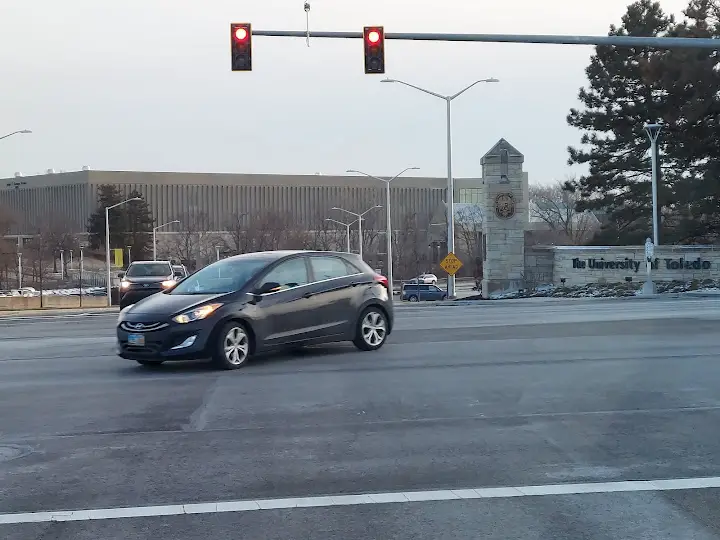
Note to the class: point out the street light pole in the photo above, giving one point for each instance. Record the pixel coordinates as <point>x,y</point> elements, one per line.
<point>388,222</point>
<point>15,133</point>
<point>107,245</point>
<point>653,132</point>
<point>155,236</point>
<point>451,185</point>
<point>359,220</point>
<point>347,231</point>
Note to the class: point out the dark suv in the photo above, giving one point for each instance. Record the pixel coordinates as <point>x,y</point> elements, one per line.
<point>144,278</point>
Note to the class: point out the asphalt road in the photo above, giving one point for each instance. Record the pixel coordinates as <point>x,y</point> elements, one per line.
<point>592,395</point>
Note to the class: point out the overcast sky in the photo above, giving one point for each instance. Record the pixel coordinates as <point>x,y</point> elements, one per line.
<point>146,85</point>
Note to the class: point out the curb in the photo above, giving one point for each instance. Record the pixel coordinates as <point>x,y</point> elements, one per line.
<point>554,300</point>
<point>55,312</point>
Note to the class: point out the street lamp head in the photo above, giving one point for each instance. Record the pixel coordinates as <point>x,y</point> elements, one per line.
<point>388,80</point>
<point>136,199</point>
<point>26,131</point>
<point>492,80</point>
<point>653,130</point>
<point>352,171</point>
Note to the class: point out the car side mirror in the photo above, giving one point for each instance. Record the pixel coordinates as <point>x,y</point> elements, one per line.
<point>121,275</point>
<point>178,277</point>
<point>254,297</point>
<point>267,287</point>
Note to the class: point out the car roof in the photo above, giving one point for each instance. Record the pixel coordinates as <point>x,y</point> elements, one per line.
<point>279,254</point>
<point>150,262</point>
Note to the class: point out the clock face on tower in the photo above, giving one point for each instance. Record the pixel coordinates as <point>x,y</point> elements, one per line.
<point>505,205</point>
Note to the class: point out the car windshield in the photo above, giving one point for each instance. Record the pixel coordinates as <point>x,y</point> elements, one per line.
<point>221,277</point>
<point>148,270</point>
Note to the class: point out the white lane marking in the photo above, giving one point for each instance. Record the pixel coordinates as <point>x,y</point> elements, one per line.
<point>369,498</point>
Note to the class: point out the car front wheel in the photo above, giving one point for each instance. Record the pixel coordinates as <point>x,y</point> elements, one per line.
<point>232,349</point>
<point>372,330</point>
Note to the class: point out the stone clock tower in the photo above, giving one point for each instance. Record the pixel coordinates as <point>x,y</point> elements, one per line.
<point>505,207</point>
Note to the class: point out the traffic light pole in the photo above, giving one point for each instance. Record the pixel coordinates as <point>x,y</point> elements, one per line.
<point>617,41</point>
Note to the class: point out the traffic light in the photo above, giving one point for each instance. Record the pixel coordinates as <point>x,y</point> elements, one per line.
<point>374,41</point>
<point>241,46</point>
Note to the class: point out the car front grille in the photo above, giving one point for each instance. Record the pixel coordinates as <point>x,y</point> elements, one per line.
<point>150,349</point>
<point>145,287</point>
<point>142,327</point>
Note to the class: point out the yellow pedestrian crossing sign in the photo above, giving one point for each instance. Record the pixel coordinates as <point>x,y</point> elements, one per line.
<point>451,264</point>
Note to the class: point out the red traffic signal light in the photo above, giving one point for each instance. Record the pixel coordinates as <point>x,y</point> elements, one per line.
<point>242,34</point>
<point>241,46</point>
<point>374,42</point>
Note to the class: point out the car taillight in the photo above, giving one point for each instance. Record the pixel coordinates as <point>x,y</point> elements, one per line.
<point>383,280</point>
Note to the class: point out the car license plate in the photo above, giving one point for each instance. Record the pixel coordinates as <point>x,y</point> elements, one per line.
<point>136,340</point>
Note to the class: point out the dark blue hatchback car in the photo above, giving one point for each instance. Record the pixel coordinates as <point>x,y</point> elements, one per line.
<point>256,302</point>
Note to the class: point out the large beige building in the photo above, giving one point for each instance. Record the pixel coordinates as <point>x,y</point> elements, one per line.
<point>306,199</point>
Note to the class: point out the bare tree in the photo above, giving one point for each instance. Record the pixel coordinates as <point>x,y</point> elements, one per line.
<point>236,238</point>
<point>371,235</point>
<point>36,265</point>
<point>327,236</point>
<point>555,206</point>
<point>8,252</point>
<point>410,249</point>
<point>195,245</point>
<point>268,231</point>
<point>51,236</point>
<point>469,229</point>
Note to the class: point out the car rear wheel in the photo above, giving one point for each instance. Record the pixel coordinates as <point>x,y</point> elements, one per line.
<point>372,330</point>
<point>233,346</point>
<point>412,298</point>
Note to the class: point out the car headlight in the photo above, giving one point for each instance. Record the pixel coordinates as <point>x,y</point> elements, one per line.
<point>196,314</point>
<point>169,283</point>
<point>124,284</point>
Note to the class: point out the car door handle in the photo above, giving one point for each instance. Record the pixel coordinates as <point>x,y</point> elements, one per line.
<point>308,295</point>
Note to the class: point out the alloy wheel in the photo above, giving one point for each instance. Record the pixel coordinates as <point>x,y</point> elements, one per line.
<point>236,346</point>
<point>374,328</point>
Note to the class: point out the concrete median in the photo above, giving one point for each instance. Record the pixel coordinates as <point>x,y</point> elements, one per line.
<point>22,304</point>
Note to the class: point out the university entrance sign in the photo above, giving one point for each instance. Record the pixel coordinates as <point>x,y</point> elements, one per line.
<point>634,265</point>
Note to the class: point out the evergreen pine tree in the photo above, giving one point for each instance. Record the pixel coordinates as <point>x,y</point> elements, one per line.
<point>139,227</point>
<point>693,116</point>
<point>622,96</point>
<point>107,195</point>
